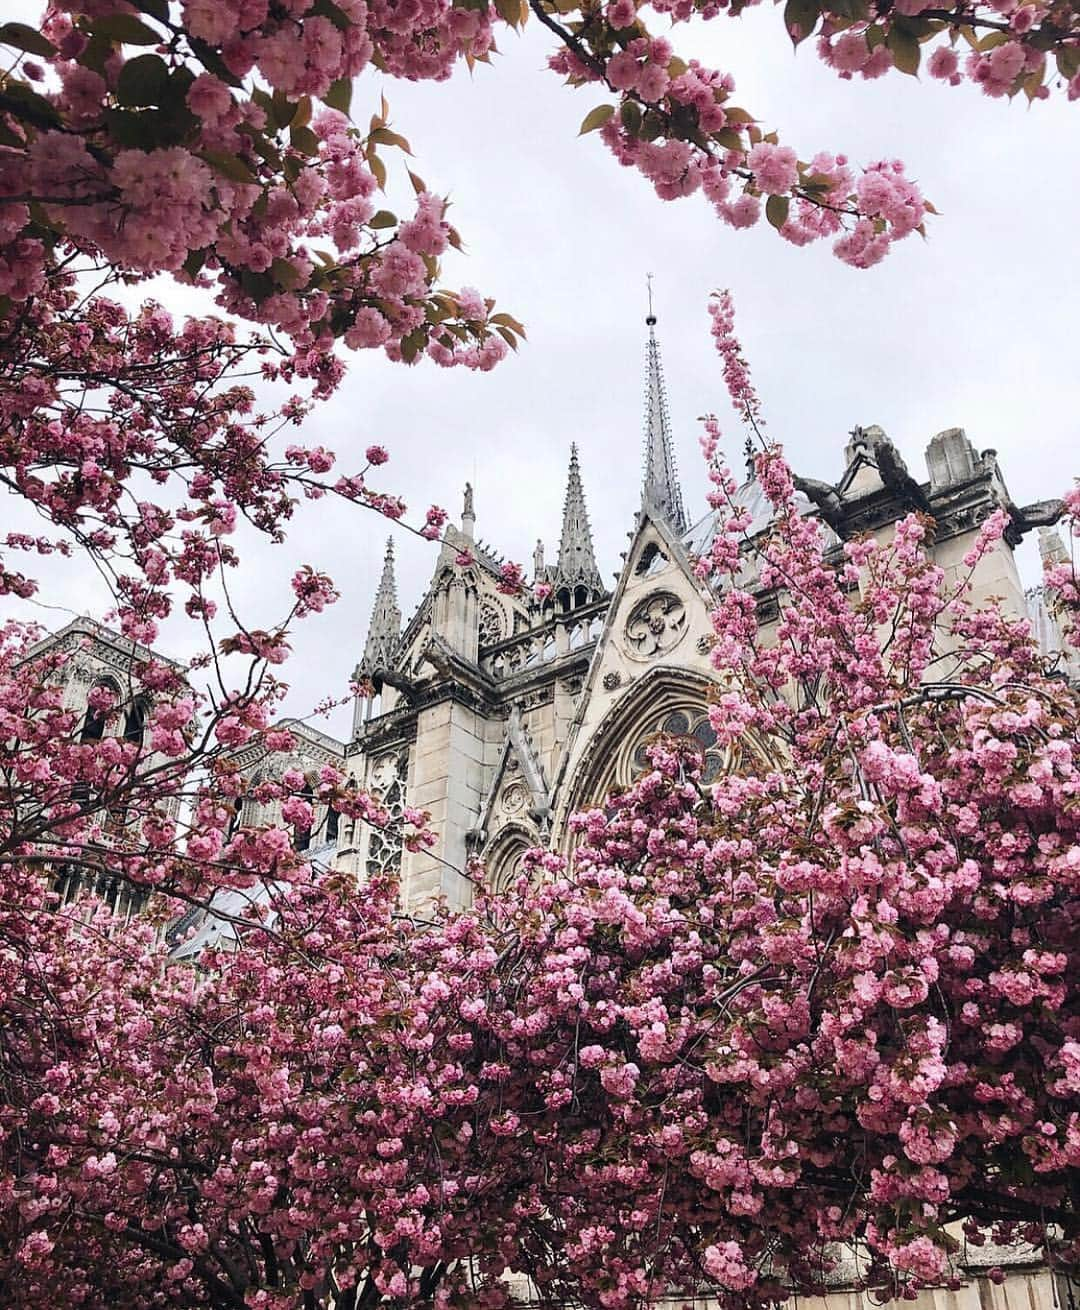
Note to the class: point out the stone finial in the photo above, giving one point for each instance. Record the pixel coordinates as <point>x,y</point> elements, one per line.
<point>538,558</point>
<point>950,458</point>
<point>861,441</point>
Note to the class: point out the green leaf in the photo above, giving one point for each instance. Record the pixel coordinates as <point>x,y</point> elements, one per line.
<point>143,80</point>
<point>506,320</point>
<point>800,18</point>
<point>776,210</point>
<point>304,140</point>
<point>284,274</point>
<point>24,37</point>
<point>630,115</point>
<point>230,166</point>
<point>509,11</point>
<point>905,51</point>
<point>282,110</point>
<point>383,218</point>
<point>596,118</point>
<point>412,345</point>
<point>29,107</point>
<point>158,9</point>
<point>1068,61</point>
<point>382,136</point>
<point>127,29</point>
<point>652,126</point>
<point>340,95</point>
<point>193,264</point>
<point>729,139</point>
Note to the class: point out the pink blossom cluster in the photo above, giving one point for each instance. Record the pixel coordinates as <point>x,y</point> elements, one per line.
<point>225,185</point>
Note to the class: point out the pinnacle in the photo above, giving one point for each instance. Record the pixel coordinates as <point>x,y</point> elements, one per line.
<point>385,626</point>
<point>660,488</point>
<point>576,565</point>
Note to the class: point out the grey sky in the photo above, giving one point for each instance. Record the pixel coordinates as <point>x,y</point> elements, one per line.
<point>972,328</point>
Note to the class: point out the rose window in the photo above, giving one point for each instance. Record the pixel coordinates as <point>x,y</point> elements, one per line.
<point>691,729</point>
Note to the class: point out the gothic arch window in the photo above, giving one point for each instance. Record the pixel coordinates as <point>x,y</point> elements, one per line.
<point>672,701</point>
<point>95,722</point>
<point>302,836</point>
<point>333,824</point>
<point>135,721</point>
<point>384,844</point>
<point>692,727</point>
<point>503,858</point>
<point>348,827</point>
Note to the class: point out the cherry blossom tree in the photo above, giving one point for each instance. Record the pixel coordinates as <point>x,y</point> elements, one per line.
<point>829,1001</point>
<point>825,1005</point>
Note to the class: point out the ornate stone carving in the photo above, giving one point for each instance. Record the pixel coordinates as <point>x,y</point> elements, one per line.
<point>514,798</point>
<point>491,623</point>
<point>612,680</point>
<point>656,625</point>
<point>704,645</point>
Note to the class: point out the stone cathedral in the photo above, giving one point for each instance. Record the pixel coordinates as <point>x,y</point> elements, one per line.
<point>501,716</point>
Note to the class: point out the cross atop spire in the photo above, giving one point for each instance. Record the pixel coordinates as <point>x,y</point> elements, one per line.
<point>385,626</point>
<point>576,566</point>
<point>660,489</point>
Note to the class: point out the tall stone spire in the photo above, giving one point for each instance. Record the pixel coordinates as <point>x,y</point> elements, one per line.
<point>660,491</point>
<point>576,566</point>
<point>385,626</point>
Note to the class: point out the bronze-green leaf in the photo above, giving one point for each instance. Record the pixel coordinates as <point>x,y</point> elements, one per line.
<point>304,140</point>
<point>595,118</point>
<point>905,51</point>
<point>776,210</point>
<point>800,18</point>
<point>340,95</point>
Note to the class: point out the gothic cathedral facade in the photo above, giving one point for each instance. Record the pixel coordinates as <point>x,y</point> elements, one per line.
<point>501,716</point>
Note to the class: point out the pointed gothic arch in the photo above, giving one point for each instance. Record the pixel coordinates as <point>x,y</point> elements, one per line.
<point>667,700</point>
<point>502,858</point>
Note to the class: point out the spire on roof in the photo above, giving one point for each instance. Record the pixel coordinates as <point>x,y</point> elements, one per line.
<point>576,566</point>
<point>660,490</point>
<point>385,626</point>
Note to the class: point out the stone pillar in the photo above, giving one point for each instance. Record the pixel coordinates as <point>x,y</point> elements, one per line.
<point>446,779</point>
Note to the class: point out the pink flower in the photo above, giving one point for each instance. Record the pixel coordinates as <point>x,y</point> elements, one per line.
<point>775,168</point>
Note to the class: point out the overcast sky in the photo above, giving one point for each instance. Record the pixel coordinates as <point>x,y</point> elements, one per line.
<point>973,328</point>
